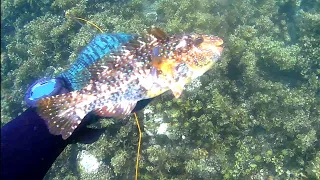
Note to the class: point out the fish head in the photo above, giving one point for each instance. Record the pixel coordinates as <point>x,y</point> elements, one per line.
<point>178,59</point>
<point>199,52</point>
<point>206,48</point>
<point>183,59</point>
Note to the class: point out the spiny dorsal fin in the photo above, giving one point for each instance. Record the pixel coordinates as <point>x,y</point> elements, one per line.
<point>157,33</point>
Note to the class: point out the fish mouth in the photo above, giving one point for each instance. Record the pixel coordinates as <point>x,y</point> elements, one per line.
<point>218,49</point>
<point>217,52</point>
<point>218,42</point>
<point>214,44</point>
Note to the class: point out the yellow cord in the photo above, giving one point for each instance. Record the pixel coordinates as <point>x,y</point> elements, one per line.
<point>139,144</point>
<point>93,24</point>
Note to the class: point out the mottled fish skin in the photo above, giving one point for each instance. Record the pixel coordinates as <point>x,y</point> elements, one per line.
<point>143,68</point>
<point>101,45</point>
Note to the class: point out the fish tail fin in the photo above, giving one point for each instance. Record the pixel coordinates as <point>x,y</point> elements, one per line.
<point>63,113</point>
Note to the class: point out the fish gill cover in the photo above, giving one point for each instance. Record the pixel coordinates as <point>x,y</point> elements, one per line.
<point>254,115</point>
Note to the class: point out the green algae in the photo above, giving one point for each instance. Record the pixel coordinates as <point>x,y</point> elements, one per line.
<point>254,115</point>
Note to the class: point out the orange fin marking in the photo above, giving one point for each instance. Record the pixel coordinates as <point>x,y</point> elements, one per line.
<point>166,66</point>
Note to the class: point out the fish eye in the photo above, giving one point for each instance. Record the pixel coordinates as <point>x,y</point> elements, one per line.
<point>198,41</point>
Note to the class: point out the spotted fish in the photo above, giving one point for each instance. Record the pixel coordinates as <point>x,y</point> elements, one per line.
<point>142,68</point>
<point>101,45</point>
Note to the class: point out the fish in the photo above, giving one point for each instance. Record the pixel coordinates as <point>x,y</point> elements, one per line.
<point>142,68</point>
<point>100,45</point>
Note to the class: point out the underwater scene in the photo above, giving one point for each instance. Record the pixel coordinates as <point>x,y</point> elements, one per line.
<point>252,112</point>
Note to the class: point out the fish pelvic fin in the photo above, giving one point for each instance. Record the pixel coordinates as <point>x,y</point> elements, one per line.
<point>63,113</point>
